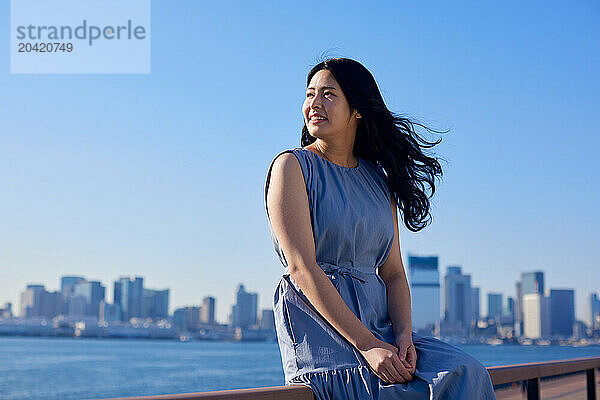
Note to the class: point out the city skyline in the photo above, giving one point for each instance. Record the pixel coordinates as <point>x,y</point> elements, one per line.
<point>443,295</point>
<point>162,175</point>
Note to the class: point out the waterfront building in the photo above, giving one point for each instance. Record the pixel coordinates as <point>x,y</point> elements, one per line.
<point>109,312</point>
<point>508,314</point>
<point>187,319</point>
<point>494,306</point>
<point>67,285</point>
<point>76,306</point>
<point>532,282</point>
<point>593,311</point>
<point>475,303</point>
<point>128,295</point>
<point>518,310</point>
<point>117,293</point>
<point>457,298</point>
<point>155,304</point>
<point>36,301</point>
<point>6,311</point>
<point>536,316</point>
<point>267,319</point>
<point>425,291</point>
<point>207,314</point>
<point>562,312</point>
<point>245,309</point>
<point>93,292</point>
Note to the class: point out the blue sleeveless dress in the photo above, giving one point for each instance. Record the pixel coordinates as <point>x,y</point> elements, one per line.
<point>353,230</point>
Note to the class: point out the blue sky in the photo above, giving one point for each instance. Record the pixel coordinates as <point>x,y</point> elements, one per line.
<point>162,175</point>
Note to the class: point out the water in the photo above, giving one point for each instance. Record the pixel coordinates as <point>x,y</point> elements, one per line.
<point>67,368</point>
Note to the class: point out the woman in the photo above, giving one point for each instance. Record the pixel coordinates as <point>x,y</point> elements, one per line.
<point>342,308</point>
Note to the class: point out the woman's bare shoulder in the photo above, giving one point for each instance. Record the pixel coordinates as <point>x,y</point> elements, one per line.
<point>286,168</point>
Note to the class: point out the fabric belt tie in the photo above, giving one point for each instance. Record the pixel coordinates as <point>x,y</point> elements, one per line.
<point>333,269</point>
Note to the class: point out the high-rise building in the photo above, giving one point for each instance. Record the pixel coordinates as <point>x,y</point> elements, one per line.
<point>130,296</point>
<point>562,312</point>
<point>510,306</point>
<point>518,310</point>
<point>187,319</point>
<point>93,292</point>
<point>475,302</point>
<point>207,314</point>
<point>267,319</point>
<point>109,312</point>
<point>457,297</point>
<point>495,306</point>
<point>77,306</point>
<point>593,311</point>
<point>155,304</point>
<point>536,315</point>
<point>67,284</point>
<point>117,293</point>
<point>532,282</point>
<point>425,291</point>
<point>36,301</point>
<point>6,311</point>
<point>244,311</point>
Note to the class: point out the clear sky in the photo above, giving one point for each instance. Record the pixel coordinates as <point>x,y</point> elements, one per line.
<point>162,175</point>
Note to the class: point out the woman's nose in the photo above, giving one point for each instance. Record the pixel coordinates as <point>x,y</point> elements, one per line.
<point>315,102</point>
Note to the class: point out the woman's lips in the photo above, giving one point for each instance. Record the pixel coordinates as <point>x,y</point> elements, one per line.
<point>317,121</point>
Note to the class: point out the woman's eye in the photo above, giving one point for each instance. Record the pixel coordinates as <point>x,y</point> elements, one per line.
<point>324,94</point>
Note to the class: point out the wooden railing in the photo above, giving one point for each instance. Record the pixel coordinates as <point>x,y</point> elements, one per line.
<point>530,373</point>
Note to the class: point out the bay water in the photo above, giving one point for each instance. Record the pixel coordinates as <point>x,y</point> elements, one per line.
<point>68,368</point>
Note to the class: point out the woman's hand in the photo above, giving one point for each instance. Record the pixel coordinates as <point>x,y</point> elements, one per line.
<point>383,359</point>
<point>406,351</point>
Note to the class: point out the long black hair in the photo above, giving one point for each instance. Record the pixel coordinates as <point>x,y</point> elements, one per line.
<point>386,139</point>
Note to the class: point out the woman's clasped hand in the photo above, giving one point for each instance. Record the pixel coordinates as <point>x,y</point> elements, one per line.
<point>384,359</point>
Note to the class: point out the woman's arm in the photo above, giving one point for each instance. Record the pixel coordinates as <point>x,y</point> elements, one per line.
<point>287,202</point>
<point>398,293</point>
<point>289,214</point>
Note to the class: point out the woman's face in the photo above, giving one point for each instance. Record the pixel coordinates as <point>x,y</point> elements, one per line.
<point>326,110</point>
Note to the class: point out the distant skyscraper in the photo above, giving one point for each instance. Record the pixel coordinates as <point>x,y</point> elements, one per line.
<point>562,312</point>
<point>495,306</point>
<point>6,311</point>
<point>593,311</point>
<point>425,290</point>
<point>475,302</point>
<point>109,312</point>
<point>457,297</point>
<point>186,319</point>
<point>155,304</point>
<point>508,315</point>
<point>536,316</point>
<point>117,293</point>
<point>130,296</point>
<point>267,319</point>
<point>519,310</point>
<point>532,282</point>
<point>93,292</point>
<point>207,314</point>
<point>36,301</point>
<point>77,306</point>
<point>67,284</point>
<point>244,311</point>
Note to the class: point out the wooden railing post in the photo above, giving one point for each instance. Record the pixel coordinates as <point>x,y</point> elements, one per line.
<point>591,384</point>
<point>533,389</point>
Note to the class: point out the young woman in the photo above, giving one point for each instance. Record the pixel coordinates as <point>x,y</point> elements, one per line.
<point>342,307</point>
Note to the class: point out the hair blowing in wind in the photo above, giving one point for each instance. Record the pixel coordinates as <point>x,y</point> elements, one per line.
<point>388,140</point>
